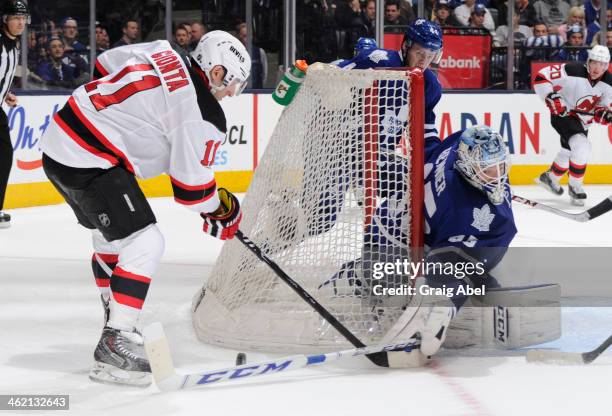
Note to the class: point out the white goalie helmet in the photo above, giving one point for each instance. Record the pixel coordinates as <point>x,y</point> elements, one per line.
<point>221,48</point>
<point>484,161</point>
<point>599,53</point>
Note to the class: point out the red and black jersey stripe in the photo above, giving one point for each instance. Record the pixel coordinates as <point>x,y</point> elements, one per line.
<point>102,278</point>
<point>99,70</point>
<point>129,289</point>
<point>74,123</point>
<point>190,194</point>
<point>539,79</point>
<point>577,171</point>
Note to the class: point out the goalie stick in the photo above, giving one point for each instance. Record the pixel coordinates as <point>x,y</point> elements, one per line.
<point>378,358</point>
<point>167,379</point>
<point>591,213</point>
<point>560,357</point>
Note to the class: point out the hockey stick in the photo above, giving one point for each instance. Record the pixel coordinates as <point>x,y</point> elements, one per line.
<point>591,213</point>
<point>167,379</point>
<point>378,358</point>
<point>560,357</point>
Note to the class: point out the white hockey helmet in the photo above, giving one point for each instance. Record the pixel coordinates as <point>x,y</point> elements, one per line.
<point>484,161</point>
<point>599,53</point>
<point>221,48</point>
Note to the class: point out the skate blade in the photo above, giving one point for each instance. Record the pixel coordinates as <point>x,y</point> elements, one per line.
<point>577,202</point>
<point>5,224</point>
<point>109,374</point>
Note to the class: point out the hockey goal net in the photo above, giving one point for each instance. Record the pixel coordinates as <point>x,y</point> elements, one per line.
<point>338,189</point>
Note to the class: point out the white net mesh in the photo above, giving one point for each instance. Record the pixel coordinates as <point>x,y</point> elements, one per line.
<point>330,198</point>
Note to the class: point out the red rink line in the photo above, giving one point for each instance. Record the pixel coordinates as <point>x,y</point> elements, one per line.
<point>475,406</point>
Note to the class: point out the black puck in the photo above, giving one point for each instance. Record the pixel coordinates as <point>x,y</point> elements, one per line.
<point>240,358</point>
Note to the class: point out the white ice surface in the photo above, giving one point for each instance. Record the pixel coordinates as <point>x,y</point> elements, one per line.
<point>50,321</point>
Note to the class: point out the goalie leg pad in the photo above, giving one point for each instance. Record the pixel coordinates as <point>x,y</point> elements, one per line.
<point>508,318</point>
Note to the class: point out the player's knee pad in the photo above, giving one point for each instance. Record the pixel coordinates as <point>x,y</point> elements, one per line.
<point>141,251</point>
<point>508,318</point>
<point>580,148</point>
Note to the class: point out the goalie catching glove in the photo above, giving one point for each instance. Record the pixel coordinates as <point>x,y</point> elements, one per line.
<point>224,222</point>
<point>555,104</point>
<point>603,115</point>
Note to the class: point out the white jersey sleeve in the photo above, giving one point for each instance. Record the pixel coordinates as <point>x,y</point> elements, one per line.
<point>192,155</point>
<point>548,78</point>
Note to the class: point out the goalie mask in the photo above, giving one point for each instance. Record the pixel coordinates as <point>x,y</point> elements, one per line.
<point>483,161</point>
<point>221,48</point>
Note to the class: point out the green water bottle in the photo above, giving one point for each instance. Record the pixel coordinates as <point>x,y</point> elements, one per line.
<point>290,84</point>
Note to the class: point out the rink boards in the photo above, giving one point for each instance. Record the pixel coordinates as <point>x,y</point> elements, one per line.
<point>521,118</point>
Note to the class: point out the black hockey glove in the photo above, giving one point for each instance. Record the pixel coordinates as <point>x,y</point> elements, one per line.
<point>603,115</point>
<point>224,222</point>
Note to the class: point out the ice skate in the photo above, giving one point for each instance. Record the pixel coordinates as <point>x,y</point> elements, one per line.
<point>120,359</point>
<point>577,195</point>
<point>548,183</point>
<point>5,220</point>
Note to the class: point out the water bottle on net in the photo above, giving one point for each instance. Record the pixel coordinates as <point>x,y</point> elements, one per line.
<point>290,84</point>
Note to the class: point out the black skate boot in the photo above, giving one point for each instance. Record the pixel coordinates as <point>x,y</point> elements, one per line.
<point>577,195</point>
<point>120,359</point>
<point>548,183</point>
<point>5,220</point>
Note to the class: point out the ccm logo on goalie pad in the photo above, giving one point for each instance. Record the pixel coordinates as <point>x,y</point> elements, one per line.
<point>500,322</point>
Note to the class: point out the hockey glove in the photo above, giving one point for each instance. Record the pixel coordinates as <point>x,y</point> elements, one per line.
<point>603,115</point>
<point>555,104</point>
<point>224,222</point>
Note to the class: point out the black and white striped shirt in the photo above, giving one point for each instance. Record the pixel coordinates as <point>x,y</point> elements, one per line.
<point>9,58</point>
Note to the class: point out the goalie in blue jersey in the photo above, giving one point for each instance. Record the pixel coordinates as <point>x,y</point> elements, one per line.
<point>468,220</point>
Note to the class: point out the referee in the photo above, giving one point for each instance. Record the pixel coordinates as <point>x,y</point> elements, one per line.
<point>15,16</point>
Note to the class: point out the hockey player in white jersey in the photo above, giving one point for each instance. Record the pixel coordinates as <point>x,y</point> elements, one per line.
<point>150,112</point>
<point>566,88</point>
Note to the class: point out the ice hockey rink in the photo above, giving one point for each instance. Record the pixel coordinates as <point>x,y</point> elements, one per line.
<point>51,318</point>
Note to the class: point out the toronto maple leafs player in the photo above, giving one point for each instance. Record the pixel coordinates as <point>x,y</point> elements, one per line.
<point>566,88</point>
<point>422,45</point>
<point>468,219</point>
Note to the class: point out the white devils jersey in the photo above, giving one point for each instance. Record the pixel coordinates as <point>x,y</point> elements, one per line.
<point>571,80</point>
<point>147,113</point>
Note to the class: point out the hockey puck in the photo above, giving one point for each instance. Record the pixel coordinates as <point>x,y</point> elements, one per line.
<point>240,358</point>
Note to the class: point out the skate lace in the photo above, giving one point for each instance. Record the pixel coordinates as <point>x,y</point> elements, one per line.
<point>124,341</point>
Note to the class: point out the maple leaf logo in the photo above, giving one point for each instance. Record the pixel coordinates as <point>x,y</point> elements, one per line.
<point>483,218</point>
<point>378,55</point>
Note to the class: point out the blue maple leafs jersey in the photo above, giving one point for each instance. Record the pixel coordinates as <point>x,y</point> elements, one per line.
<point>459,215</point>
<point>385,58</point>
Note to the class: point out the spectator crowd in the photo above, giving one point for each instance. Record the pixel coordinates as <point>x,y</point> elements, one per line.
<point>59,54</point>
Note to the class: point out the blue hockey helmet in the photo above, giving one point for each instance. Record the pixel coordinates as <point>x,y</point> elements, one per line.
<point>364,44</point>
<point>483,160</point>
<point>428,36</point>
